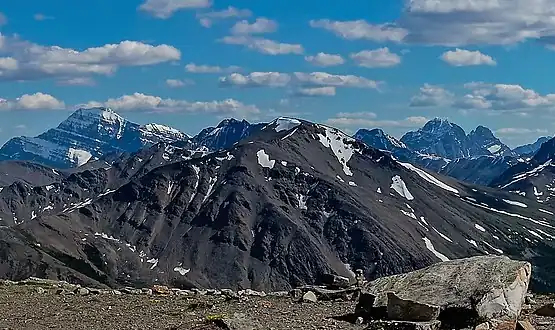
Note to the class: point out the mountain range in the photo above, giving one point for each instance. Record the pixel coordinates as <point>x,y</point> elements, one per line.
<point>267,206</point>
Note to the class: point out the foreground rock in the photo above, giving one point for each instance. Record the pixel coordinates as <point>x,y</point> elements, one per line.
<point>468,292</point>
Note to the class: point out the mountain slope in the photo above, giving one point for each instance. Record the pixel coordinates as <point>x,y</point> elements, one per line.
<point>483,142</point>
<point>87,135</point>
<point>226,134</point>
<point>530,149</point>
<point>279,209</point>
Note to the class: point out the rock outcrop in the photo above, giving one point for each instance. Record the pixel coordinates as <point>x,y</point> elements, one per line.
<point>461,294</point>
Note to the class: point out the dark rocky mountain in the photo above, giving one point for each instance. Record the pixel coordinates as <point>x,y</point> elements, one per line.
<point>87,134</point>
<point>279,209</point>
<point>443,138</point>
<point>533,178</point>
<point>528,150</point>
<point>27,172</point>
<point>226,134</point>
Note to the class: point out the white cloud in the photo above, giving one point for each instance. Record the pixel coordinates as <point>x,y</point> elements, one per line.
<point>360,29</point>
<point>264,46</point>
<point>463,57</point>
<point>177,83</point>
<point>323,59</point>
<point>166,8</point>
<point>464,22</point>
<point>143,102</point>
<point>256,79</point>
<point>431,96</point>
<point>207,19</point>
<point>326,79</point>
<point>503,97</point>
<point>194,68</point>
<point>260,26</point>
<point>37,101</point>
<point>8,64</point>
<point>316,91</point>
<point>366,115</point>
<point>77,81</point>
<point>378,58</point>
<point>36,61</point>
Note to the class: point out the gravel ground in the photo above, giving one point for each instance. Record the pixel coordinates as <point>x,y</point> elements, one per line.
<point>540,323</point>
<point>22,307</point>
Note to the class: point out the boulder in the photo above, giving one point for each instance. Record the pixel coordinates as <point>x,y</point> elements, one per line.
<point>486,288</point>
<point>238,321</point>
<point>310,297</point>
<point>335,281</point>
<point>408,310</point>
<point>524,325</point>
<point>403,325</point>
<point>547,310</point>
<point>161,289</point>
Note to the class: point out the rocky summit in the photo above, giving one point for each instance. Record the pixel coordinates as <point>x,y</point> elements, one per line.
<point>474,293</point>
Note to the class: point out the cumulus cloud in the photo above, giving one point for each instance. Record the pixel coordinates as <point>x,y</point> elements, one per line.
<point>260,26</point>
<point>463,22</point>
<point>264,46</point>
<point>378,58</point>
<point>327,79</point>
<point>166,8</point>
<point>463,57</point>
<point>315,91</point>
<point>323,59</point>
<point>360,29</point>
<point>37,101</point>
<point>256,79</point>
<point>207,19</point>
<point>28,61</point>
<point>503,97</point>
<point>431,96</point>
<point>194,68</point>
<point>77,81</point>
<point>143,102</point>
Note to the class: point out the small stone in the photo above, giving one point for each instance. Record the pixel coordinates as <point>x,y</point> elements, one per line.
<point>359,320</point>
<point>524,325</point>
<point>127,290</point>
<point>40,290</point>
<point>296,293</point>
<point>161,289</point>
<point>95,291</point>
<point>529,299</point>
<point>278,294</point>
<point>116,292</point>
<point>61,291</point>
<point>547,310</point>
<point>310,297</point>
<point>482,326</point>
<point>82,291</point>
<point>146,291</point>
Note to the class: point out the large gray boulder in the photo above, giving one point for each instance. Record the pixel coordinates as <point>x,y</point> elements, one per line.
<point>472,291</point>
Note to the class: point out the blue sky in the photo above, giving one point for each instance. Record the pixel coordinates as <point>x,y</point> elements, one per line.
<point>365,64</point>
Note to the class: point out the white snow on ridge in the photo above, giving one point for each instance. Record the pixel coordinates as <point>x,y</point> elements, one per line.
<point>546,211</point>
<point>541,223</point>
<point>473,242</point>
<point>285,124</point>
<point>480,228</point>
<point>515,203</point>
<point>523,176</point>
<point>264,159</point>
<point>289,135</point>
<point>79,156</point>
<point>401,188</point>
<point>335,140</point>
<point>537,192</point>
<point>430,247</point>
<point>181,270</point>
<point>494,149</point>
<point>428,177</point>
<point>445,237</point>
<point>170,187</point>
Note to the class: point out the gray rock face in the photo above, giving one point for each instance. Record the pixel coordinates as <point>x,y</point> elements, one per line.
<point>528,150</point>
<point>408,310</point>
<point>487,288</point>
<point>310,297</point>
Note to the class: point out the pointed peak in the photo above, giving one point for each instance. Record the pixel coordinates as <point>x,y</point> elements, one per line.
<point>231,121</point>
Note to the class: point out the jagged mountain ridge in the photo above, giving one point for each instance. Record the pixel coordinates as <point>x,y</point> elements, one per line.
<point>278,209</point>
<point>85,135</point>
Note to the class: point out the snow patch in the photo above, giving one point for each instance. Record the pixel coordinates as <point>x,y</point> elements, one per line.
<point>401,188</point>
<point>430,247</point>
<point>302,201</point>
<point>379,191</point>
<point>79,156</point>
<point>445,237</point>
<point>264,159</point>
<point>473,242</point>
<point>181,270</point>
<point>480,228</point>
<point>284,163</point>
<point>351,183</point>
<point>508,201</point>
<point>546,211</point>
<point>494,149</point>
<point>537,192</point>
<point>285,124</point>
<point>428,177</point>
<point>289,135</point>
<point>336,141</point>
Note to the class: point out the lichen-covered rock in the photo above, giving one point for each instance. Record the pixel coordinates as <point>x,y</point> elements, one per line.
<point>409,310</point>
<point>468,291</point>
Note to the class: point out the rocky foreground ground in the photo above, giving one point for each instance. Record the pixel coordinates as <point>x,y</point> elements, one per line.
<point>39,306</point>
